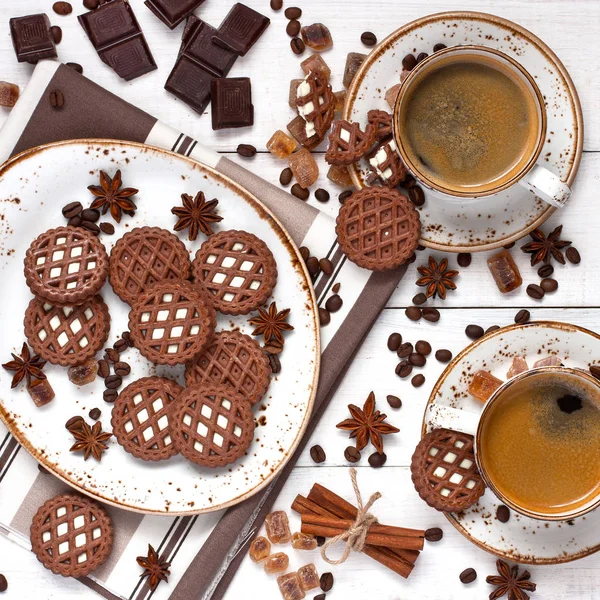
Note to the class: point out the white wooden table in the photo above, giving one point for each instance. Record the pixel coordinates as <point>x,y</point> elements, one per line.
<point>571,27</point>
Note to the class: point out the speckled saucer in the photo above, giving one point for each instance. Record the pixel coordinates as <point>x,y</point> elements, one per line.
<point>521,539</point>
<point>496,220</point>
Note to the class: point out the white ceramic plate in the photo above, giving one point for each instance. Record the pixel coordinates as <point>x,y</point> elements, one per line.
<point>521,539</point>
<point>503,218</point>
<point>34,187</point>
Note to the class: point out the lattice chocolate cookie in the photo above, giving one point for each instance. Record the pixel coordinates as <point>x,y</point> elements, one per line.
<point>382,122</point>
<point>386,165</point>
<point>212,425</point>
<point>172,321</point>
<point>140,418</point>
<point>71,535</point>
<point>144,256</point>
<point>348,142</point>
<point>233,359</point>
<point>237,269</point>
<point>444,471</point>
<point>315,103</point>
<point>67,335</point>
<point>378,228</point>
<point>66,266</point>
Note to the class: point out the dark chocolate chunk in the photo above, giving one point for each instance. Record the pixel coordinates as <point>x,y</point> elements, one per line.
<point>232,103</point>
<point>200,48</point>
<point>241,29</point>
<point>172,12</point>
<point>190,83</point>
<point>31,38</point>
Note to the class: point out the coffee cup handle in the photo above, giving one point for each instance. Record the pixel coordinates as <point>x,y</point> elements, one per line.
<point>439,416</point>
<point>546,185</point>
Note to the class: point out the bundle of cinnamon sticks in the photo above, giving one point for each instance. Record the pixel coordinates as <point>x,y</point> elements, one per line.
<point>326,514</point>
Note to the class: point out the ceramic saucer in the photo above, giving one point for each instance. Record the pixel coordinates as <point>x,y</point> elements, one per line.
<point>497,220</point>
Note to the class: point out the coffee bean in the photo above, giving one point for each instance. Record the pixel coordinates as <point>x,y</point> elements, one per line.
<point>75,221</point>
<point>317,454</point>
<point>336,287</point>
<point>326,266</point>
<point>417,360</point>
<point>312,264</point>
<point>103,369</point>
<point>297,46</point>
<point>405,350</point>
<point>75,66</point>
<point>111,355</point>
<point>334,303</point>
<point>549,285</point>
<point>62,8</point>
<point>535,291</point>
<point>403,369</point>
<point>113,382</point>
<point>91,227</point>
<point>90,214</point>
<point>444,356</point>
<point>409,181</point>
<point>122,369</point>
<point>468,576</point>
<point>344,196</point>
<point>57,100</point>
<point>56,33</point>
<point>419,299</point>
<point>322,195</point>
<point>431,314</point>
<point>324,317</point>
<point>423,347</point>
<point>464,259</point>
<point>509,246</point>
<point>439,47</point>
<point>394,401</point>
<point>300,192</point>
<point>595,371</point>
<point>492,328</point>
<point>273,347</point>
<point>413,313</point>
<point>418,380</point>
<point>503,513</point>
<point>411,259</point>
<point>546,271</point>
<point>91,4</point>
<point>110,395</point>
<point>522,316</point>
<point>421,57</point>
<point>573,255</point>
<point>95,413</point>
<point>126,335</point>
<point>351,454</point>
<point>320,542</point>
<point>72,209</point>
<point>246,150</point>
<point>107,228</point>
<point>326,582</point>
<point>3,583</point>
<point>394,341</point>
<point>286,176</point>
<point>416,195</point>
<point>276,4</point>
<point>377,460</point>
<point>474,332</point>
<point>74,423</point>
<point>275,364</point>
<point>304,253</point>
<point>293,12</point>
<point>42,470</point>
<point>368,38</point>
<point>293,28</point>
<point>434,534</point>
<point>409,62</point>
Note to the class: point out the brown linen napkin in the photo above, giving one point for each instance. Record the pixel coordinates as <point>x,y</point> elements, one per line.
<point>92,112</point>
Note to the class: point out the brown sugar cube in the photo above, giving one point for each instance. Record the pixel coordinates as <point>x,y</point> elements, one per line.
<point>340,175</point>
<point>260,548</point>
<point>294,83</point>
<point>392,95</point>
<point>276,563</point>
<point>304,541</point>
<point>304,167</point>
<point>41,392</point>
<point>505,272</point>
<point>549,361</point>
<point>309,578</point>
<point>9,94</point>
<point>315,64</point>
<point>519,364</point>
<point>483,385</point>
<point>281,145</point>
<point>340,100</point>
<point>83,374</point>
<point>297,127</point>
<point>353,62</point>
<point>278,527</point>
<point>317,37</point>
<point>289,586</point>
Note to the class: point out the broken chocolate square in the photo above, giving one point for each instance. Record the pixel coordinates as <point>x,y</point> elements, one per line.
<point>190,83</point>
<point>31,38</point>
<point>200,48</point>
<point>172,12</point>
<point>232,103</point>
<point>241,29</point>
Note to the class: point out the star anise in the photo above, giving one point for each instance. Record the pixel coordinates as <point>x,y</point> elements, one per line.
<point>90,440</point>
<point>25,367</point>
<point>510,583</point>
<point>437,278</point>
<point>543,249</point>
<point>271,324</point>
<point>196,214</point>
<point>155,568</point>
<point>367,425</point>
<point>109,195</point>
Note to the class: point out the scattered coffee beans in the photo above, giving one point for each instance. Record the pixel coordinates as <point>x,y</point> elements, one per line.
<point>409,62</point>
<point>74,423</point>
<point>416,195</point>
<point>351,454</point>
<point>405,350</point>
<point>468,576</point>
<point>90,214</point>
<point>421,56</point>
<point>95,413</point>
<point>336,287</point>
<point>293,12</point>
<point>394,401</point>
<point>344,196</point>
<point>546,271</point>
<point>317,454</point>
<point>300,192</point>
<point>403,369</point>
<point>417,360</point>
<point>75,221</point>
<point>334,303</point>
<point>107,228</point>
<point>474,332</point>
<point>91,4</point>
<point>423,347</point>
<point>322,195</point>
<point>72,209</point>
<point>103,368</point>
<point>276,4</point>
<point>122,369</point>
<point>111,355</point>
<point>326,582</point>
<point>113,382</point>
<point>320,542</point>
<point>304,253</point>
<point>522,316</point>
<point>595,371</point>
<point>431,314</point>
<point>246,150</point>
<point>91,227</point>
<point>413,313</point>
<point>62,8</point>
<point>286,176</point>
<point>435,534</point>
<point>110,395</point>
<point>439,47</point>
<point>293,28</point>
<point>377,460</point>
<point>503,513</point>
<point>464,259</point>
<point>573,255</point>
<point>297,46</point>
<point>57,100</point>
<point>56,33</point>
<point>324,317</point>
<point>418,380</point>
<point>394,341</point>
<point>368,38</point>
<point>3,583</point>
<point>312,264</point>
<point>549,285</point>
<point>535,291</point>
<point>420,299</point>
<point>275,363</point>
<point>444,356</point>
<point>326,266</point>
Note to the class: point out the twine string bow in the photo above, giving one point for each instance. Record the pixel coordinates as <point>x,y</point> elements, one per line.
<point>356,535</point>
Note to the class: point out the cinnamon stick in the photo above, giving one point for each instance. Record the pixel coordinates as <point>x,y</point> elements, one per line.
<point>375,528</point>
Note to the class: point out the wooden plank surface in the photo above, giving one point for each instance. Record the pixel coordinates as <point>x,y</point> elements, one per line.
<point>571,27</point>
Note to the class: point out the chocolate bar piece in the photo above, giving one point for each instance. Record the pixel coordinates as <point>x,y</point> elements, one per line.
<point>201,49</point>
<point>31,38</point>
<point>172,12</point>
<point>232,103</point>
<point>191,23</point>
<point>117,37</point>
<point>241,29</point>
<point>190,83</point>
